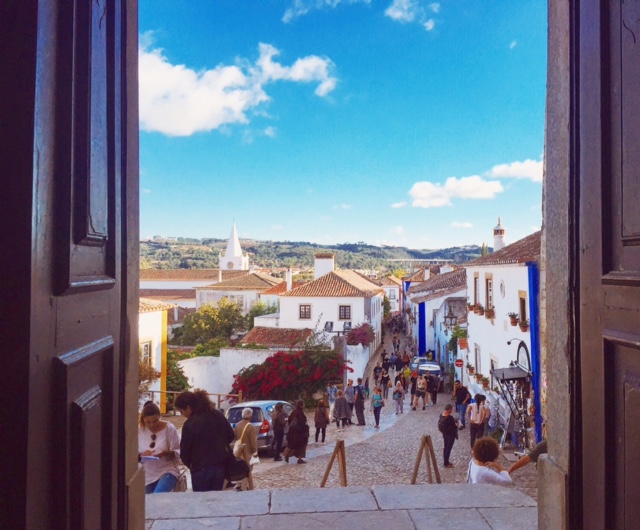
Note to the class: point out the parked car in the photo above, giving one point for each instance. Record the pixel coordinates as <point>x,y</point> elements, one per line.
<point>261,419</point>
<point>418,361</point>
<point>433,368</point>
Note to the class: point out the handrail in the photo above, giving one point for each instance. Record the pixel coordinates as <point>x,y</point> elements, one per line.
<point>219,397</point>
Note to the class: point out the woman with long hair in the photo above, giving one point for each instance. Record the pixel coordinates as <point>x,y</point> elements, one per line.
<point>206,436</point>
<point>321,419</point>
<point>298,435</point>
<point>376,404</point>
<point>158,450</point>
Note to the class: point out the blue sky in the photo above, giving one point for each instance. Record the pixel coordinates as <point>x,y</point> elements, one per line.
<point>394,122</point>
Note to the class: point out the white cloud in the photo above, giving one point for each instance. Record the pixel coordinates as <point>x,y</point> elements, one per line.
<point>435,7</point>
<point>398,205</point>
<point>529,169</point>
<point>342,207</point>
<point>398,230</point>
<point>270,132</point>
<point>513,45</point>
<point>302,7</point>
<point>429,24</point>
<point>457,224</point>
<point>402,10</point>
<point>178,101</point>
<point>430,195</point>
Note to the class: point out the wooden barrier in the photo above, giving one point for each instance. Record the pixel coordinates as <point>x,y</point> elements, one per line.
<point>426,447</point>
<point>338,452</point>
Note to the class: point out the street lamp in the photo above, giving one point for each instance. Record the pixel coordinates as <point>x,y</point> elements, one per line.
<point>450,319</point>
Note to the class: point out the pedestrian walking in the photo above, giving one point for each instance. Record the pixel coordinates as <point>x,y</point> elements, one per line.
<point>384,384</point>
<point>298,435</point>
<point>321,420</point>
<point>433,385</point>
<point>278,420</point>
<point>448,426</point>
<point>350,396</point>
<point>421,392</point>
<point>462,397</point>
<point>341,411</point>
<point>332,393</point>
<point>247,446</point>
<point>398,397</point>
<point>376,405</point>
<point>359,403</point>
<point>476,413</point>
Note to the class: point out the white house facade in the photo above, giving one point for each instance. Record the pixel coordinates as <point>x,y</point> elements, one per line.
<point>244,290</point>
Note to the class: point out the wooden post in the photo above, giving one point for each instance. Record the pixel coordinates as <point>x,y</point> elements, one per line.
<point>426,447</point>
<point>340,453</point>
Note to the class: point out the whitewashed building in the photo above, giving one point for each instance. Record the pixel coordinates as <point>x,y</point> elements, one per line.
<point>243,290</point>
<point>392,287</point>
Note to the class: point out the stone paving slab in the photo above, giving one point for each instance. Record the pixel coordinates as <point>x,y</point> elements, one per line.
<point>206,504</point>
<point>398,520</point>
<point>503,518</point>
<point>314,500</point>
<point>461,518</point>
<point>217,523</point>
<point>439,496</point>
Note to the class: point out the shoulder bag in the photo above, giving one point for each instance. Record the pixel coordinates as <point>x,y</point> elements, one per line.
<point>238,446</point>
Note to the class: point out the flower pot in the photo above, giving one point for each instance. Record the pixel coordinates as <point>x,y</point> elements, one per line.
<point>485,384</point>
<point>471,370</point>
<point>514,321</point>
<point>524,327</point>
<point>480,312</point>
<point>489,313</point>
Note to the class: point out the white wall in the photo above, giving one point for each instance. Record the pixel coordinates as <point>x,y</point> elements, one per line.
<point>206,296</point>
<point>267,321</point>
<point>395,302</point>
<point>215,374</point>
<point>359,357</point>
<point>492,335</point>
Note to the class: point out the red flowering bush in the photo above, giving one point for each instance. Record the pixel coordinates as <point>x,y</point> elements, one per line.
<point>290,376</point>
<point>362,334</point>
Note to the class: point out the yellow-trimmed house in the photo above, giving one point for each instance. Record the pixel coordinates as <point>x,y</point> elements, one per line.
<point>152,332</point>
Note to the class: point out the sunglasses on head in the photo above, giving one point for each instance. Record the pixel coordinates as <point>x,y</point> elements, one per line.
<point>153,442</point>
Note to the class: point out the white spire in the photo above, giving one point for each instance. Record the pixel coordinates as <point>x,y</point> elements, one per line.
<point>233,246</point>
<point>498,236</point>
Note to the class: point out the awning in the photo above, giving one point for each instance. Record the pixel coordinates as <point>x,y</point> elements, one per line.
<point>510,373</point>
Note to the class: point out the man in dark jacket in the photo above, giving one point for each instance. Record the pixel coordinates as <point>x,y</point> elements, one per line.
<point>448,426</point>
<point>359,402</point>
<point>279,420</point>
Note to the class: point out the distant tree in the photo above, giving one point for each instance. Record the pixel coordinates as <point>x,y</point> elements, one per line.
<point>386,307</point>
<point>176,380</point>
<point>211,322</point>
<point>259,308</point>
<point>399,273</point>
<point>211,348</point>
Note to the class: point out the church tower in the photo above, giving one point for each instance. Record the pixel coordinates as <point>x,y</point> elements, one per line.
<point>233,258</point>
<point>498,237</point>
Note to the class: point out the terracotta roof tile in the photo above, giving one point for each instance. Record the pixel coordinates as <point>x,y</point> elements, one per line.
<point>277,337</point>
<point>250,282</point>
<point>527,249</point>
<point>426,297</point>
<point>446,280</point>
<point>341,283</point>
<point>281,287</point>
<point>147,306</point>
<point>188,274</point>
<point>168,294</point>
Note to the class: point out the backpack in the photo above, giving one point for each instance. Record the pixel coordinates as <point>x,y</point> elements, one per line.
<point>441,424</point>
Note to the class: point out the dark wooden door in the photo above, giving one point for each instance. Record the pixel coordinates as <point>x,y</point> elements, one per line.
<point>69,115</point>
<point>607,189</point>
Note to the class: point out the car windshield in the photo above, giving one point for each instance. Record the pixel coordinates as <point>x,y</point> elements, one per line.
<point>235,415</point>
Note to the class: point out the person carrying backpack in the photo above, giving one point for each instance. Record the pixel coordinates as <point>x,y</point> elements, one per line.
<point>448,426</point>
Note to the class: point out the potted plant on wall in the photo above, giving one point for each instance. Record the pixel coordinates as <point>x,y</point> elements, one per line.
<point>485,382</point>
<point>513,318</point>
<point>479,309</point>
<point>470,368</point>
<point>524,325</point>
<point>490,312</point>
<point>470,306</point>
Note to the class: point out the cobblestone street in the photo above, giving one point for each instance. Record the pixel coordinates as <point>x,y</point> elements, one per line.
<point>386,457</point>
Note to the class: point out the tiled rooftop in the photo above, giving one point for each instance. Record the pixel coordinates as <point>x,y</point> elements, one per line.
<point>276,337</point>
<point>147,306</point>
<point>168,294</point>
<point>522,251</point>
<point>440,281</point>
<point>253,281</point>
<point>282,287</point>
<point>188,274</point>
<point>343,283</point>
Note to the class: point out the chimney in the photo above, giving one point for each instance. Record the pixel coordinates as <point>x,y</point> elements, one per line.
<point>289,277</point>
<point>219,275</point>
<point>324,263</point>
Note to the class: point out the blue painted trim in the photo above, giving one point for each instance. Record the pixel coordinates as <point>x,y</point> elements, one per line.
<point>422,329</point>
<point>534,333</point>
